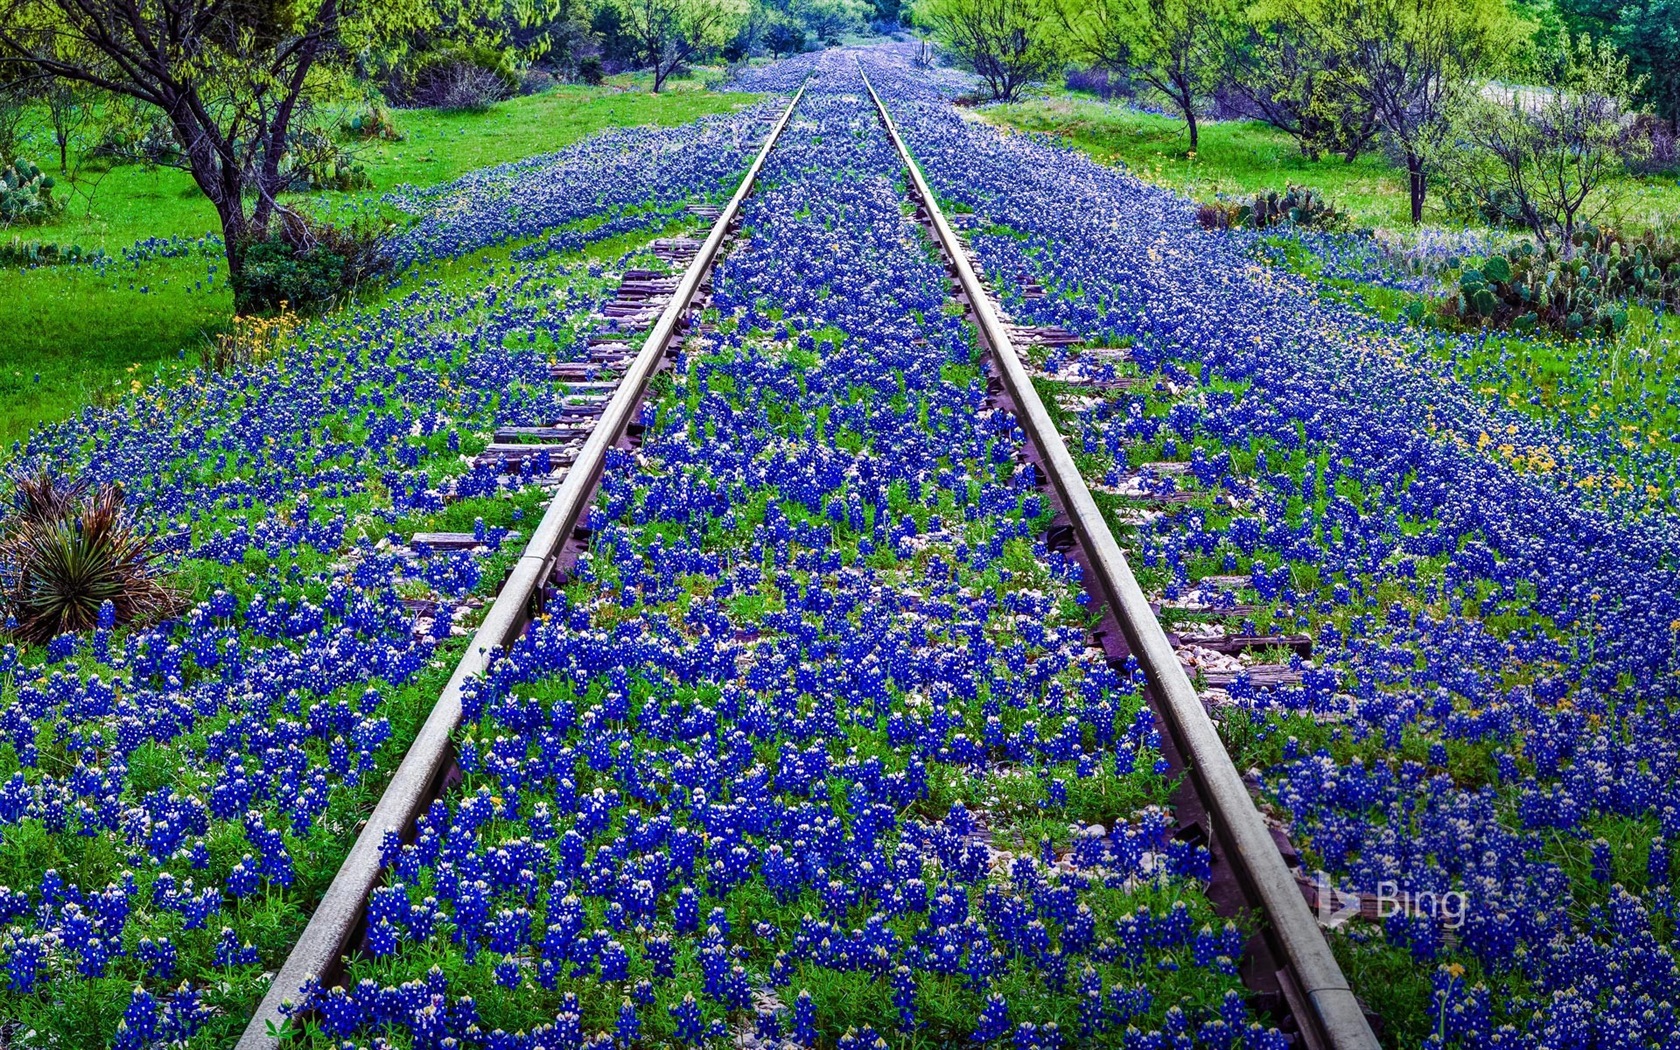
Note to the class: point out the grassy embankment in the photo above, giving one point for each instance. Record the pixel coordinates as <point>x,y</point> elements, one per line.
<point>68,333</point>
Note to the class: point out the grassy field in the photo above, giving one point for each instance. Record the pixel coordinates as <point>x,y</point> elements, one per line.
<point>67,333</point>
<point>1241,157</point>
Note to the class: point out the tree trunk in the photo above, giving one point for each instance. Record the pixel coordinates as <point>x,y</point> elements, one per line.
<point>235,240</point>
<point>1418,184</point>
<point>1190,118</point>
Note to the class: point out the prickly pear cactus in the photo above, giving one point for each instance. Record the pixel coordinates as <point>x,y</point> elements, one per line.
<point>26,194</point>
<point>1586,294</point>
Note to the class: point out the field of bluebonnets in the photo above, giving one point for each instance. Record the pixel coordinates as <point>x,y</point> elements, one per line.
<point>815,747</point>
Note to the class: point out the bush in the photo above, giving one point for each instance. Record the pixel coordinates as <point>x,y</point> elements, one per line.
<point>456,78</point>
<point>1663,148</point>
<point>26,194</point>
<point>315,162</point>
<point>309,265</point>
<point>1585,293</point>
<point>73,561</point>
<point>590,70</point>
<point>18,252</point>
<point>152,144</point>
<point>1298,205</point>
<point>373,122</point>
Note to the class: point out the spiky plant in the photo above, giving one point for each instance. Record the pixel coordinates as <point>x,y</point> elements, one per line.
<point>61,568</point>
<point>44,495</point>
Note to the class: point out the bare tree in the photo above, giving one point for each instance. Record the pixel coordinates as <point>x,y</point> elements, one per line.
<point>230,76</point>
<point>1550,155</point>
<point>1009,43</point>
<point>669,33</point>
<point>1405,59</point>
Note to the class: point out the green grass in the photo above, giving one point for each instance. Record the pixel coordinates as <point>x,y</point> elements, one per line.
<point>1241,157</point>
<point>68,335</point>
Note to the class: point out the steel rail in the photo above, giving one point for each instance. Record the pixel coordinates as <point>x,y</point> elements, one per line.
<point>323,941</point>
<point>1325,1007</point>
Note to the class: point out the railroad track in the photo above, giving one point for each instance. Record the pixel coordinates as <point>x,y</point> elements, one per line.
<point>1290,957</point>
<point>615,381</point>
<point>1299,959</point>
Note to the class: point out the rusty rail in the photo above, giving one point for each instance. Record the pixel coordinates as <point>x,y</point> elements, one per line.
<point>417,780</point>
<point>1318,994</point>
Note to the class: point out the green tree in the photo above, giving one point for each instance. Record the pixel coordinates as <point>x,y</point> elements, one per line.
<point>230,76</point>
<point>1177,47</point>
<point>1009,43</point>
<point>1407,59</point>
<point>1285,70</point>
<point>1548,157</point>
<point>672,33</point>
<point>1649,33</point>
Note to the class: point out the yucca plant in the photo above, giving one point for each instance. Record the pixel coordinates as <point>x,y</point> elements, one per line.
<point>45,496</point>
<point>67,553</point>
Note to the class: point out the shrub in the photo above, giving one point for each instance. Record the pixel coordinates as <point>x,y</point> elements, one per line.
<point>590,70</point>
<point>455,78</point>
<point>26,194</point>
<point>315,162</point>
<point>373,121</point>
<point>309,265</point>
<point>1587,293</point>
<point>151,143</point>
<point>19,252</point>
<point>72,559</point>
<point>1298,205</point>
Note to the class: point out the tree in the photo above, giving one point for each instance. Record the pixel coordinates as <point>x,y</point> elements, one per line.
<point>671,33</point>
<point>1549,156</point>
<point>784,37</point>
<point>1177,47</point>
<point>1406,59</point>
<point>1284,70</point>
<point>1009,43</point>
<point>230,76</point>
<point>1649,33</point>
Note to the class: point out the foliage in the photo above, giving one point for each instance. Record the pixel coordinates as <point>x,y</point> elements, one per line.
<point>1008,43</point>
<point>1648,32</point>
<point>667,34</point>
<point>1177,47</point>
<point>372,121</point>
<point>1407,61</point>
<point>316,162</point>
<point>1546,159</point>
<point>1283,70</point>
<point>69,558</point>
<point>26,194</point>
<point>784,38</point>
<point>311,265</point>
<point>1297,205</point>
<point>1582,291</point>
